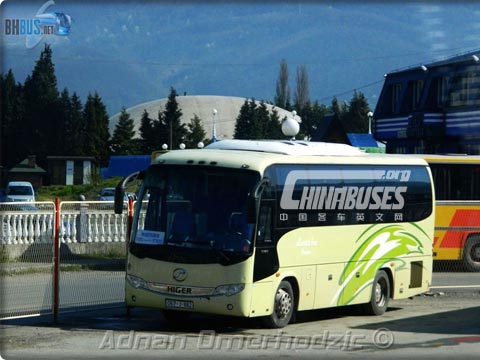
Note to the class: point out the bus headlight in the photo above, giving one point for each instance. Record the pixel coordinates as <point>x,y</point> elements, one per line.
<point>228,290</point>
<point>136,282</point>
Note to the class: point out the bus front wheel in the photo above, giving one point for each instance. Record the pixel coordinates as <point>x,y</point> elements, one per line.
<point>380,295</point>
<point>471,253</point>
<point>283,307</point>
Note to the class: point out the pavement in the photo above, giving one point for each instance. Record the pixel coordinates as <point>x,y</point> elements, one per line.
<point>19,267</point>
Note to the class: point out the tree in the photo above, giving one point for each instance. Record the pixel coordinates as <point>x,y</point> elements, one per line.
<point>273,128</point>
<point>147,135</point>
<point>123,135</point>
<point>171,118</point>
<point>311,115</point>
<point>96,124</point>
<point>65,110</point>
<point>12,114</point>
<point>75,130</point>
<point>196,133</point>
<point>42,129</point>
<point>282,97</point>
<point>244,122</point>
<point>302,96</point>
<point>356,118</point>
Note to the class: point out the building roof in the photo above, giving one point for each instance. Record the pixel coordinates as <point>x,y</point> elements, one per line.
<point>25,167</point>
<point>228,108</point>
<point>123,165</point>
<point>362,140</point>
<point>472,57</point>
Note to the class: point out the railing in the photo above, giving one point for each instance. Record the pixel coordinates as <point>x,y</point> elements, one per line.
<point>61,256</point>
<point>80,221</point>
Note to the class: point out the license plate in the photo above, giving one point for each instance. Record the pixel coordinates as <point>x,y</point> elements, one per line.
<point>178,304</point>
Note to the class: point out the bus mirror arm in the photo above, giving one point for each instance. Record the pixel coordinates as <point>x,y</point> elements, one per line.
<point>252,202</point>
<point>120,190</point>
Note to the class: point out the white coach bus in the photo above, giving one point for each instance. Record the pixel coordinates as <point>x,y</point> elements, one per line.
<point>268,228</point>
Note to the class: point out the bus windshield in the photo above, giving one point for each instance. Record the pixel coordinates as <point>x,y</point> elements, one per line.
<point>195,210</point>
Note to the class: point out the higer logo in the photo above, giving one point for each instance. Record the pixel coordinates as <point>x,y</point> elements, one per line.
<point>347,197</point>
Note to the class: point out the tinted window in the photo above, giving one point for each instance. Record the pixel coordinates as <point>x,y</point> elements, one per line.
<point>345,194</point>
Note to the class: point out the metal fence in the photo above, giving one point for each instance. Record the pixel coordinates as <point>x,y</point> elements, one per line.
<point>60,256</point>
<point>92,254</point>
<point>26,253</point>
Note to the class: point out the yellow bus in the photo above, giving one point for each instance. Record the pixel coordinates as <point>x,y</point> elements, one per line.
<point>457,222</point>
<point>269,228</point>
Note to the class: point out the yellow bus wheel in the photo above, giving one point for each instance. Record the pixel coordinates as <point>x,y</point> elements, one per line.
<point>380,295</point>
<point>283,307</point>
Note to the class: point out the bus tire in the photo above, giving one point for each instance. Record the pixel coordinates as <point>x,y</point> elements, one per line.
<point>471,253</point>
<point>283,307</point>
<point>175,317</point>
<point>380,295</point>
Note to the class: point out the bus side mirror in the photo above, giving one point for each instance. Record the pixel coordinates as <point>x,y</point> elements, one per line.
<point>253,199</point>
<point>120,190</point>
<point>119,195</point>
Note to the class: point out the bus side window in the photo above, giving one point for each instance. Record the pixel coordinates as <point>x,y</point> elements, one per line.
<point>264,233</point>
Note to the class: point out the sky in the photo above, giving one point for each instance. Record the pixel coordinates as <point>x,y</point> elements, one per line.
<point>132,52</point>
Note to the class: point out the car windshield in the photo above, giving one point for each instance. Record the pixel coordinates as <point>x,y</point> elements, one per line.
<point>195,207</point>
<point>19,190</point>
<point>108,192</point>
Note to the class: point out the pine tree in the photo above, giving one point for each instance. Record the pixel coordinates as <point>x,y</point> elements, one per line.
<point>122,140</point>
<point>302,96</point>
<point>147,135</point>
<point>244,122</point>
<point>356,118</point>
<point>273,130</point>
<point>76,129</point>
<point>12,114</point>
<point>171,118</point>
<point>65,109</point>
<point>196,133</point>
<point>42,115</point>
<point>96,124</point>
<point>282,97</point>
<point>260,122</point>
<point>161,132</point>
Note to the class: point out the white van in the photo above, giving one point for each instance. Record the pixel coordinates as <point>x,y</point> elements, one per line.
<point>19,191</point>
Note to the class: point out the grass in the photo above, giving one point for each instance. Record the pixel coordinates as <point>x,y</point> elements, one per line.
<point>73,192</point>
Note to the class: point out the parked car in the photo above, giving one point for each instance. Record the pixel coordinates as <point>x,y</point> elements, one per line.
<point>107,194</point>
<point>19,191</point>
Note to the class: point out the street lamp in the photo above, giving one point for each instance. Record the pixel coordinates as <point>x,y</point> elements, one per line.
<point>370,115</point>
<point>214,130</point>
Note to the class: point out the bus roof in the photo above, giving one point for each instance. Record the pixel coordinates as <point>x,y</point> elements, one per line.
<point>287,147</point>
<point>257,155</point>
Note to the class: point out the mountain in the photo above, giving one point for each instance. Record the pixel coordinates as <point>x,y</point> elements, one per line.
<point>133,52</point>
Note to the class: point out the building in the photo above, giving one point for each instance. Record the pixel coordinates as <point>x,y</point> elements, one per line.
<point>27,170</point>
<point>331,130</point>
<point>70,170</point>
<point>431,108</point>
<point>227,110</point>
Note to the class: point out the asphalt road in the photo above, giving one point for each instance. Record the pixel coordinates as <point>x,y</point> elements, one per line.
<point>442,326</point>
<point>32,293</point>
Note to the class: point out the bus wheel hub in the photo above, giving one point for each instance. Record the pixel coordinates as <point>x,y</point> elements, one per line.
<point>283,303</point>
